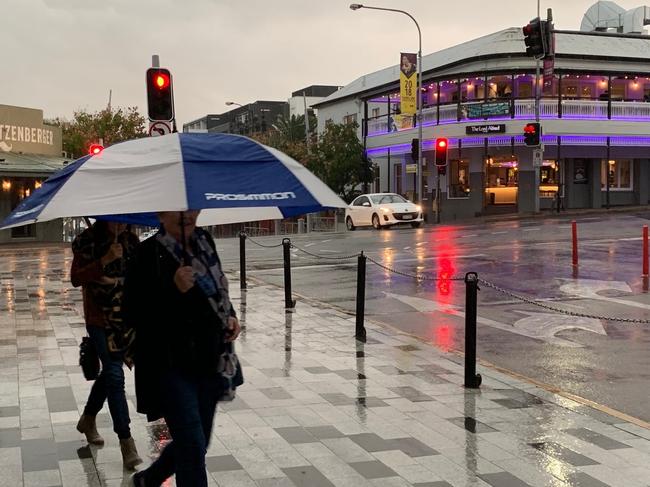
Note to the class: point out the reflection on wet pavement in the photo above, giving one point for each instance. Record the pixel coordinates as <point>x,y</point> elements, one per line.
<point>318,408</point>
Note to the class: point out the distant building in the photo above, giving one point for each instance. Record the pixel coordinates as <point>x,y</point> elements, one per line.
<point>255,117</point>
<point>311,94</point>
<point>30,151</point>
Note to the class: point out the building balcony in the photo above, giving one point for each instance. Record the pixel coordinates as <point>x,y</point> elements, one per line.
<point>550,108</point>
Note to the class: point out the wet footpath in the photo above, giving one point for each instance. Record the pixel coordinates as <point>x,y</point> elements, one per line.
<point>318,407</point>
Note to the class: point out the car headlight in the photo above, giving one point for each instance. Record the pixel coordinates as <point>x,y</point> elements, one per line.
<point>418,208</point>
<point>385,210</point>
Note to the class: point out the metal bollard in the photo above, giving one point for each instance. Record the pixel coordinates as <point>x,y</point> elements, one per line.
<point>360,333</point>
<point>574,238</point>
<point>289,303</point>
<point>472,379</point>
<point>242,261</point>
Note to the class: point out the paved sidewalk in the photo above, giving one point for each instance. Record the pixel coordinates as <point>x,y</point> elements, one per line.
<point>318,408</point>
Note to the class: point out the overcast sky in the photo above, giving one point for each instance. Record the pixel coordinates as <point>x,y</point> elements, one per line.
<point>62,55</point>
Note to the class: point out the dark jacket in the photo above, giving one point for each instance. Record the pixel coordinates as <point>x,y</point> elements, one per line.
<point>86,270</point>
<point>173,330</point>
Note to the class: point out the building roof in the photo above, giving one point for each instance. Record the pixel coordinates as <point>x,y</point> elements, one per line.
<point>507,42</point>
<point>12,163</point>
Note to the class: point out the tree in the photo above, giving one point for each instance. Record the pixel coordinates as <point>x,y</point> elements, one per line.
<point>112,126</point>
<point>339,160</point>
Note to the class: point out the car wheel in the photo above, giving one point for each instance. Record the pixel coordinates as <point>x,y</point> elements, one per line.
<point>375,222</point>
<point>349,224</point>
<point>416,224</point>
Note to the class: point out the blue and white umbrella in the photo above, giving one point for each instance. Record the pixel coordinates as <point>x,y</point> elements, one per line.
<point>231,178</point>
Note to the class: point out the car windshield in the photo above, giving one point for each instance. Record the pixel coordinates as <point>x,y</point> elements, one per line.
<point>383,199</point>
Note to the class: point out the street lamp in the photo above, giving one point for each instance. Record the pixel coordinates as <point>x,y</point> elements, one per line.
<point>358,6</point>
<point>248,115</point>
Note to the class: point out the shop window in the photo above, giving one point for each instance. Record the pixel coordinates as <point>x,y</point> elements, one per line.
<point>472,89</point>
<point>524,86</point>
<point>499,87</point>
<point>549,179</point>
<point>458,171</point>
<point>570,91</point>
<point>619,172</point>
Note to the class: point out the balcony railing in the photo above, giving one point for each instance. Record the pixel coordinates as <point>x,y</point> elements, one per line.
<point>525,109</point>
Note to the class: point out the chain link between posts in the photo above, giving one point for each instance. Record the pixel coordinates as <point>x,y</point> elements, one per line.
<point>418,277</point>
<point>326,257</point>
<point>576,314</point>
<point>248,237</point>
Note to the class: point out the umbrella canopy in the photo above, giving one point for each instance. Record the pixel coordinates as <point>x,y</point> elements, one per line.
<point>230,177</point>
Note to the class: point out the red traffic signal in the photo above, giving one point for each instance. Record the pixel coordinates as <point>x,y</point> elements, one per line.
<point>532,134</point>
<point>442,146</point>
<point>535,38</point>
<point>160,95</point>
<point>95,149</point>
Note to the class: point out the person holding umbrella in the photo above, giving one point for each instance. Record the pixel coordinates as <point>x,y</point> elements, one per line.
<point>176,297</point>
<point>100,255</point>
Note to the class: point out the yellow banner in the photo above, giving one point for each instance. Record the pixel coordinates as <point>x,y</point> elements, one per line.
<point>408,82</point>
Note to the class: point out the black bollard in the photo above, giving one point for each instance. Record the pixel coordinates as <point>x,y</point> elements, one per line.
<point>242,261</point>
<point>289,303</point>
<point>360,333</point>
<point>472,379</point>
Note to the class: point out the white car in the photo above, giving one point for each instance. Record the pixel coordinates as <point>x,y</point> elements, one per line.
<point>382,210</point>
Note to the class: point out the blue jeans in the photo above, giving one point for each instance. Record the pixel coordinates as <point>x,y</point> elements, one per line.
<point>109,385</point>
<point>190,403</point>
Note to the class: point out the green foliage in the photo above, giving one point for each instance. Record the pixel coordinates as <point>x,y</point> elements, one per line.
<point>111,125</point>
<point>337,157</point>
<point>339,160</point>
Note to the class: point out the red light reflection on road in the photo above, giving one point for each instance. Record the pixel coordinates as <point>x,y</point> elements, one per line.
<point>444,337</point>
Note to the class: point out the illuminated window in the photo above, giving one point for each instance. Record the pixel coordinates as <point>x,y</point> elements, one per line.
<point>619,172</point>
<point>458,178</point>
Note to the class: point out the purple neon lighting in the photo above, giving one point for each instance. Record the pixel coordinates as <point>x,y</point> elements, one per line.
<point>546,139</point>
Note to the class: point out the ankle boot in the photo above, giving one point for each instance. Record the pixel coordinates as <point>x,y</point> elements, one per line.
<point>130,456</point>
<point>87,426</point>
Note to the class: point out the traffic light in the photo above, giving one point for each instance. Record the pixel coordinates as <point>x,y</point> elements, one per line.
<point>160,95</point>
<point>532,134</point>
<point>535,37</point>
<point>95,149</point>
<point>442,145</point>
<point>415,149</point>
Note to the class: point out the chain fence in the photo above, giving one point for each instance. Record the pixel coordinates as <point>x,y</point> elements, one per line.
<point>424,277</point>
<point>259,244</point>
<point>326,257</point>
<point>555,309</point>
<point>419,277</point>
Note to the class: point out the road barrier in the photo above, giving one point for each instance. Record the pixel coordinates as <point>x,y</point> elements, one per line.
<point>360,332</point>
<point>472,379</point>
<point>574,239</point>
<point>471,279</point>
<point>242,260</point>
<point>289,303</point>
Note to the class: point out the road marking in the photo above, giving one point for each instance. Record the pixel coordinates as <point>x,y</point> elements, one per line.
<point>299,268</point>
<point>498,233</point>
<point>310,244</point>
<point>590,218</point>
<point>589,289</point>
<point>407,248</point>
<point>330,251</point>
<point>532,229</point>
<point>469,236</point>
<point>540,326</point>
<point>629,239</point>
<point>420,243</point>
<point>325,241</point>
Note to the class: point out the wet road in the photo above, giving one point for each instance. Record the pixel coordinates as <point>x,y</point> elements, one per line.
<point>603,361</point>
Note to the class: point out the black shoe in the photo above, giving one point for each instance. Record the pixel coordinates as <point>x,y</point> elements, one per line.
<point>138,479</point>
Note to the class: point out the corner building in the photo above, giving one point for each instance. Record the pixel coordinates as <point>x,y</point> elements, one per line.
<point>595,117</point>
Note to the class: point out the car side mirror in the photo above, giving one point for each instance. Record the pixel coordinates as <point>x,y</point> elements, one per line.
<point>365,203</point>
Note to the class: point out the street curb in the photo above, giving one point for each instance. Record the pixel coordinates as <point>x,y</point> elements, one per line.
<point>542,385</point>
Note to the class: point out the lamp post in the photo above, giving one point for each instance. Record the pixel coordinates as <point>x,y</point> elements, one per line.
<point>357,6</point>
<point>248,115</point>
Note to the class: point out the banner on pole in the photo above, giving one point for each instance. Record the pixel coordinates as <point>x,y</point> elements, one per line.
<point>408,82</point>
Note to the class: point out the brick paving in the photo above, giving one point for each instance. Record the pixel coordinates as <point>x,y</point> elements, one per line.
<point>318,408</point>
